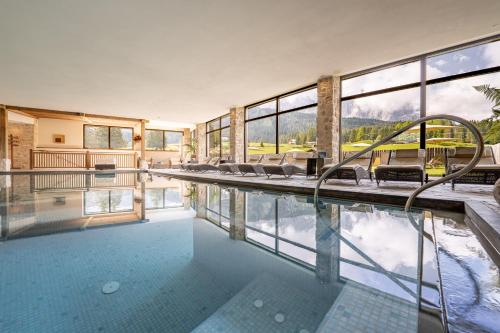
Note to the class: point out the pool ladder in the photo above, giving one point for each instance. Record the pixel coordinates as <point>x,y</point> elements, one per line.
<point>411,198</point>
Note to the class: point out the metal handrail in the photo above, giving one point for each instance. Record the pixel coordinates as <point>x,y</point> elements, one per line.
<point>411,198</point>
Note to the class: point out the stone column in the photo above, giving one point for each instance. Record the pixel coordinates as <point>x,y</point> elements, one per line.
<point>328,120</point>
<point>3,138</point>
<point>143,140</point>
<point>201,201</point>
<point>186,140</point>
<point>201,141</point>
<point>237,215</point>
<point>237,136</point>
<point>327,243</point>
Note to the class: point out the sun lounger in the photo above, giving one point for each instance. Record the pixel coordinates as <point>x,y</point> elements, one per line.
<point>406,165</point>
<point>252,166</point>
<point>212,165</point>
<point>486,172</point>
<point>296,165</point>
<point>357,169</point>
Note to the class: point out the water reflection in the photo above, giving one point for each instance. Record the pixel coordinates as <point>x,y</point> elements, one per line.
<point>46,203</point>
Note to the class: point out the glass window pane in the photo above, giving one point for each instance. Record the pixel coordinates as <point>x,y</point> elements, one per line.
<point>213,144</point>
<point>385,78</point>
<point>225,203</point>
<point>213,198</point>
<point>96,202</point>
<point>460,98</point>
<point>297,100</point>
<point>260,110</point>
<point>261,136</point>
<point>225,121</point>
<point>261,212</point>
<point>122,200</point>
<point>464,60</point>
<point>213,125</point>
<point>120,138</point>
<point>173,141</point>
<point>154,140</point>
<point>154,198</point>
<point>260,238</point>
<point>173,197</point>
<point>226,143</point>
<point>297,220</point>
<point>96,137</point>
<point>297,130</point>
<point>297,253</point>
<point>369,119</point>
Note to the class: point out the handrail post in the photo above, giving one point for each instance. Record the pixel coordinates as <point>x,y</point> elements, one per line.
<point>87,160</point>
<point>31,158</point>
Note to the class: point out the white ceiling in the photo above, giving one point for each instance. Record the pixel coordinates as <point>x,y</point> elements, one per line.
<point>189,61</point>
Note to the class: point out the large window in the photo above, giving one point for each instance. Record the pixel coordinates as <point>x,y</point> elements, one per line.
<point>160,198</point>
<point>107,137</point>
<point>105,202</point>
<point>164,140</point>
<point>283,124</point>
<point>378,102</point>
<point>218,205</point>
<point>218,137</point>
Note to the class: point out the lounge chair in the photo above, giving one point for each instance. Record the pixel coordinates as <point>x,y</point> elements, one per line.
<point>250,166</point>
<point>227,165</point>
<point>357,169</point>
<point>486,172</point>
<point>212,165</point>
<point>189,166</point>
<point>297,165</point>
<point>406,165</point>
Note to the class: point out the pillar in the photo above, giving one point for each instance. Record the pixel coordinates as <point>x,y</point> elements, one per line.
<point>186,141</point>
<point>201,139</point>
<point>237,215</point>
<point>201,201</point>
<point>3,138</point>
<point>143,140</point>
<point>327,243</point>
<point>328,120</point>
<point>237,134</point>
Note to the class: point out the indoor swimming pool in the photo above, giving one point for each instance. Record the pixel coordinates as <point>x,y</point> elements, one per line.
<point>131,252</point>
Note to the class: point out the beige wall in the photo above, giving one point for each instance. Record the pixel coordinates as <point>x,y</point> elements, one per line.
<point>71,129</point>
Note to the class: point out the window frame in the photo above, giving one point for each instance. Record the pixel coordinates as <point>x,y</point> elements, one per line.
<point>109,137</point>
<point>219,214</point>
<point>422,84</point>
<point>109,203</point>
<point>220,128</point>
<point>276,114</point>
<point>164,192</point>
<point>163,141</point>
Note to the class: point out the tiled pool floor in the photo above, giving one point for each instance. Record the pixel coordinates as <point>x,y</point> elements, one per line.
<point>53,283</point>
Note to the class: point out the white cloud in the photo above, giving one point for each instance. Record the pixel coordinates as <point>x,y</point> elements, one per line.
<point>460,98</point>
<point>440,63</point>
<point>460,57</point>
<point>492,54</point>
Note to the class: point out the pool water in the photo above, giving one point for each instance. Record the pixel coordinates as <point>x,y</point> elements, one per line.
<point>201,257</point>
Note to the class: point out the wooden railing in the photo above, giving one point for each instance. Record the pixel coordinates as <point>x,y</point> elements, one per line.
<point>80,181</point>
<point>431,153</point>
<point>52,159</point>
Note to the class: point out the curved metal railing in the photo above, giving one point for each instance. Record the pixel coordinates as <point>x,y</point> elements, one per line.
<point>411,198</point>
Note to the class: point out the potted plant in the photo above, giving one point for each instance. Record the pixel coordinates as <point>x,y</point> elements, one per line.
<point>137,137</point>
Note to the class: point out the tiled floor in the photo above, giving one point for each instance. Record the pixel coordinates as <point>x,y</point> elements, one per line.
<point>461,193</point>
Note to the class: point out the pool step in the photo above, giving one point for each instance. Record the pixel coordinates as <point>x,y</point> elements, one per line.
<point>359,308</point>
<point>267,305</point>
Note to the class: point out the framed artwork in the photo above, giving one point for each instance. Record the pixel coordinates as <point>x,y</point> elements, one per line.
<point>58,138</point>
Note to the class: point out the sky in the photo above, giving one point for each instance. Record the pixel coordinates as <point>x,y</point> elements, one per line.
<point>454,97</point>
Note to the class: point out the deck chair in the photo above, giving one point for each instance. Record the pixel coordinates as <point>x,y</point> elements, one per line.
<point>189,166</point>
<point>406,165</point>
<point>212,165</point>
<point>486,172</point>
<point>296,165</point>
<point>357,169</point>
<point>228,166</point>
<point>249,167</point>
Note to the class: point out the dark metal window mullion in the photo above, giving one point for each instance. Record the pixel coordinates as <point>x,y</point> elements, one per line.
<point>277,147</point>
<point>423,99</point>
